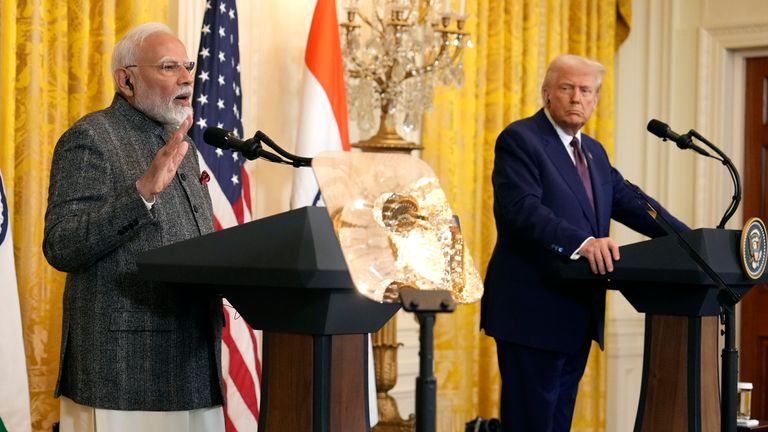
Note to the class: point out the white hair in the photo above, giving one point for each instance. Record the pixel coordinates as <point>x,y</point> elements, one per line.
<point>127,48</point>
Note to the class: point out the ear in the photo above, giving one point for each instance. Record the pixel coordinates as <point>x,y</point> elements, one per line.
<point>123,82</point>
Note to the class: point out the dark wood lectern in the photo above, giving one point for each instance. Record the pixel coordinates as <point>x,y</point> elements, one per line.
<point>680,366</point>
<point>286,275</point>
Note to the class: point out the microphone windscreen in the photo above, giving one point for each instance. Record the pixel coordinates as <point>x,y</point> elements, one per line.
<point>658,128</point>
<point>216,137</point>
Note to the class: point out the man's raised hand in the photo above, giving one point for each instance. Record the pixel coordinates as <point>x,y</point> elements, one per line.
<point>163,167</point>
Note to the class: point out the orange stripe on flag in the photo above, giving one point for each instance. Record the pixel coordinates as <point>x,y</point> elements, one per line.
<point>323,59</point>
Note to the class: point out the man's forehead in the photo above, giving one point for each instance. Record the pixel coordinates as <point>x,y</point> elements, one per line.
<point>580,78</point>
<point>162,46</point>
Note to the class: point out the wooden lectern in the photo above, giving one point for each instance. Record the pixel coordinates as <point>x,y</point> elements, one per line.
<point>679,389</point>
<point>286,275</point>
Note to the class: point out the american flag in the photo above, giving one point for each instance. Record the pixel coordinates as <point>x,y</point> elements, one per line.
<point>217,101</point>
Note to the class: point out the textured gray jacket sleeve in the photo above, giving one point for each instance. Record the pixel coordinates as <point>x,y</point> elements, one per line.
<point>86,217</point>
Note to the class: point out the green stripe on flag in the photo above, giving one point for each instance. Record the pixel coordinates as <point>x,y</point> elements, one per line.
<point>2,426</point>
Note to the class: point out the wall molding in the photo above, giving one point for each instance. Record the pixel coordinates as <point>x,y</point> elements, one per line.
<point>720,117</point>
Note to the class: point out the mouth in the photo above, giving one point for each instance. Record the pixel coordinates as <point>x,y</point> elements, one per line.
<point>183,99</point>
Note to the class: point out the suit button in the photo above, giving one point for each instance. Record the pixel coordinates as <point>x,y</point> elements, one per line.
<point>195,208</point>
<point>183,176</point>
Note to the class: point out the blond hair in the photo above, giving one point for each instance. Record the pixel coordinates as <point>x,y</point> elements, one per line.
<point>572,61</point>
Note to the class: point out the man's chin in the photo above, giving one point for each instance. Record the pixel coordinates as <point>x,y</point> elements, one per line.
<point>170,115</point>
<point>181,115</point>
<point>175,117</point>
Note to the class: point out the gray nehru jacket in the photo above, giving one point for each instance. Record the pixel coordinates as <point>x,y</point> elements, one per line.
<point>128,344</point>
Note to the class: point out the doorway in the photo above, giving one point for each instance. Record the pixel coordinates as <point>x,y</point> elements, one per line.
<point>754,325</point>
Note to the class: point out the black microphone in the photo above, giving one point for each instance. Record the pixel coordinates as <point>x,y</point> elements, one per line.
<point>663,131</point>
<point>226,140</point>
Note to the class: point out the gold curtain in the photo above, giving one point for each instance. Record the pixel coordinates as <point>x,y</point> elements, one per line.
<point>55,68</point>
<point>514,40</point>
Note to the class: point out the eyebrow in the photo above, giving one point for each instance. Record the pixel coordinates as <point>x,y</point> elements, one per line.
<point>170,59</point>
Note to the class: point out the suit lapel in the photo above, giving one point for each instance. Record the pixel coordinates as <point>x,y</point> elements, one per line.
<point>557,153</point>
<point>597,180</point>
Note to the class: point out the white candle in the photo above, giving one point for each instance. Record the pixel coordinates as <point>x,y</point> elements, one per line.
<point>462,7</point>
<point>444,6</point>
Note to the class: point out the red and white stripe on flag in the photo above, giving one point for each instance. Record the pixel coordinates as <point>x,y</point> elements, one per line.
<point>241,368</point>
<point>323,122</point>
<point>217,101</point>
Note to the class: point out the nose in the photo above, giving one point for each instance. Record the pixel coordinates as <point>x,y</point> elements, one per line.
<point>576,96</point>
<point>185,77</point>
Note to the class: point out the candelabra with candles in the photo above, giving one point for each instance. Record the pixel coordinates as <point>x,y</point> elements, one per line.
<point>393,58</point>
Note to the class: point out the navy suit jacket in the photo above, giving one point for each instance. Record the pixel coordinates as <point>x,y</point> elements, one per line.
<point>542,216</point>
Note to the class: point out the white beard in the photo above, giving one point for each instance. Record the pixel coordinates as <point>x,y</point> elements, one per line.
<point>165,111</point>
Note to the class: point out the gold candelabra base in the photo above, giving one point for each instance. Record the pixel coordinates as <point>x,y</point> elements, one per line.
<point>387,140</point>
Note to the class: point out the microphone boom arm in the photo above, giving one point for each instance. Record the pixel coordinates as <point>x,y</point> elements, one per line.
<point>296,161</point>
<point>736,198</point>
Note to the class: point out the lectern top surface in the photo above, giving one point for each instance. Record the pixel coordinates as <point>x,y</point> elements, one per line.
<point>395,226</point>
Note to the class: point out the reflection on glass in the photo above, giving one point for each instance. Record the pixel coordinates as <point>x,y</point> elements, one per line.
<point>395,226</point>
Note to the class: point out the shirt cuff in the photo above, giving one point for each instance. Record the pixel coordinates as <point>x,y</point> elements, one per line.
<point>149,204</point>
<point>575,255</point>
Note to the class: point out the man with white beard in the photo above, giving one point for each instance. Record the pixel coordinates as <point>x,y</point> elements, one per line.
<point>135,355</point>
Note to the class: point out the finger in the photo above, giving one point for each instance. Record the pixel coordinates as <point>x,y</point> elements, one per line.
<point>600,263</point>
<point>184,126</point>
<point>181,150</point>
<point>592,263</point>
<point>615,250</point>
<point>608,262</point>
<point>178,136</point>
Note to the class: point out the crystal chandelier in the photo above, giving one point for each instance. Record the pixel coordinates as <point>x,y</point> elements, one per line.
<point>393,58</point>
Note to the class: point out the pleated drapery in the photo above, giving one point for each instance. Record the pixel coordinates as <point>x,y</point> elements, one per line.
<point>54,68</point>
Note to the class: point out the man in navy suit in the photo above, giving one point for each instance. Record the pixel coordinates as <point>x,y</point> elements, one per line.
<point>555,193</point>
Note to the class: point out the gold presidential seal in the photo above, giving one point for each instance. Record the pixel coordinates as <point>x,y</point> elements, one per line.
<point>753,248</point>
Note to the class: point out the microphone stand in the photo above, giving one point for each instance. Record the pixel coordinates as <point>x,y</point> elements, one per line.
<point>730,354</point>
<point>736,198</point>
<point>425,304</point>
<point>290,158</point>
<point>253,150</point>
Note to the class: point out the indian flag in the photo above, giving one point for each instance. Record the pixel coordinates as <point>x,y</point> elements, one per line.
<point>14,390</point>
<point>323,122</point>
